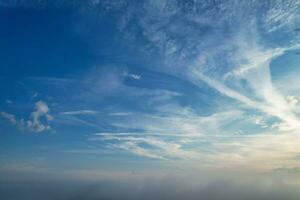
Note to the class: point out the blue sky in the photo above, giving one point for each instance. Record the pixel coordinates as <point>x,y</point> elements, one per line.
<point>106,86</point>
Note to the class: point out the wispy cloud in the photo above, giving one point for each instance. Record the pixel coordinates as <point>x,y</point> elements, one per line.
<point>157,147</point>
<point>225,61</point>
<point>80,112</point>
<point>120,113</point>
<point>10,117</point>
<point>168,134</point>
<point>226,51</point>
<point>230,48</point>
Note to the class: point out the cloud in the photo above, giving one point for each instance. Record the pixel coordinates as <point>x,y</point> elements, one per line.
<point>178,133</point>
<point>119,113</point>
<point>149,184</point>
<point>261,122</point>
<point>41,111</point>
<point>9,101</point>
<point>167,134</point>
<point>157,147</point>
<point>226,46</point>
<point>133,76</point>
<point>80,112</point>
<point>10,117</point>
<point>291,100</point>
<point>274,105</point>
<point>38,120</point>
<point>134,148</point>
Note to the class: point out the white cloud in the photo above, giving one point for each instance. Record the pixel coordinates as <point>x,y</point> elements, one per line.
<point>133,76</point>
<point>241,54</point>
<point>10,117</point>
<point>158,147</point>
<point>291,100</point>
<point>120,113</point>
<point>256,72</point>
<point>80,112</point>
<point>197,44</point>
<point>167,133</point>
<point>38,120</point>
<point>274,104</point>
<point>183,41</point>
<point>261,122</point>
<point>134,148</point>
<point>41,110</point>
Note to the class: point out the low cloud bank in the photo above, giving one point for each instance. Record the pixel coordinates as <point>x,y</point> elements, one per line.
<point>173,187</point>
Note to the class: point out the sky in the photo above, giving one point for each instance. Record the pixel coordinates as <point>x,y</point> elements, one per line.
<point>169,99</point>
